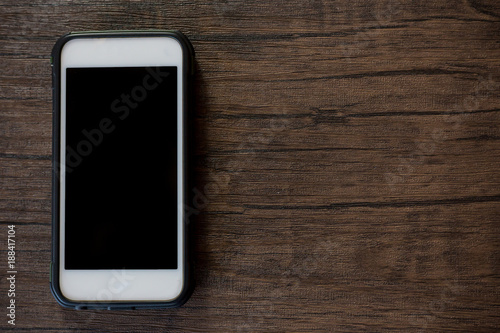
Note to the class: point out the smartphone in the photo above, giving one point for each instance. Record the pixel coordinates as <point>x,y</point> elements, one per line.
<point>121,102</point>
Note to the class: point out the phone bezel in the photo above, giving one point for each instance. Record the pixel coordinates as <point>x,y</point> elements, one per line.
<point>154,296</point>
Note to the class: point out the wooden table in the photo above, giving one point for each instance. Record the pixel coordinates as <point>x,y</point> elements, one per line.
<point>347,164</point>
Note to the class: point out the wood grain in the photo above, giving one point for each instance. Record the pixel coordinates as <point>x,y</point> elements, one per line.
<point>347,153</point>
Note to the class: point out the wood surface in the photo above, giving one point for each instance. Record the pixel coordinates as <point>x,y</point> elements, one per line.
<point>347,154</point>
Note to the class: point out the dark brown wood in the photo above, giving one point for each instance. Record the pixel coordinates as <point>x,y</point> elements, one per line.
<point>348,154</point>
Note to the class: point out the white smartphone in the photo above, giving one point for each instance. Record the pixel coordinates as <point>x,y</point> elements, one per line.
<point>119,160</point>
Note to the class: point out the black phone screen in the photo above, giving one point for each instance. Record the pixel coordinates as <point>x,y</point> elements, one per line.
<point>121,168</point>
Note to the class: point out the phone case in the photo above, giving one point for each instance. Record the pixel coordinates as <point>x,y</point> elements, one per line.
<point>188,72</point>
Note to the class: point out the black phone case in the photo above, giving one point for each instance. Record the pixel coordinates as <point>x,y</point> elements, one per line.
<point>188,72</point>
